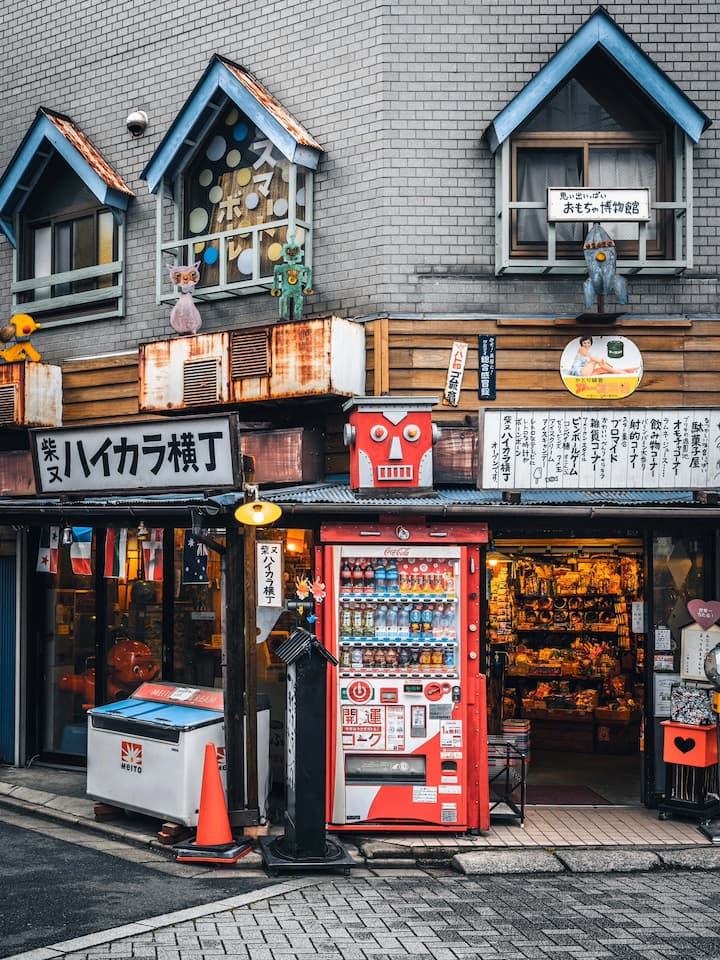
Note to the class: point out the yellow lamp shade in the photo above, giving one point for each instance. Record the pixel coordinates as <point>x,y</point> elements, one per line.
<point>258,513</point>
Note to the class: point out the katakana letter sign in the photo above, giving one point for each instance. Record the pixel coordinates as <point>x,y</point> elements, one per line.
<point>390,441</point>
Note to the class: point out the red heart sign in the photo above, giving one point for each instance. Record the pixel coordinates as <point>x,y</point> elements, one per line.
<point>704,612</point>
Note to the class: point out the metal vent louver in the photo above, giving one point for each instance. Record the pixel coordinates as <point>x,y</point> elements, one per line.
<point>249,354</point>
<point>201,381</point>
<point>8,403</point>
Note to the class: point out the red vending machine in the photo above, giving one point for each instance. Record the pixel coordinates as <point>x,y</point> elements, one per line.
<point>407,727</point>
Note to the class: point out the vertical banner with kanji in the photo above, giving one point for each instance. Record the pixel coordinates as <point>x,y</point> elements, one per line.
<point>269,573</point>
<point>486,367</point>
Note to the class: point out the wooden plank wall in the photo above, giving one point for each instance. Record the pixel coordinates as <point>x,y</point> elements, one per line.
<point>101,389</point>
<point>680,362</point>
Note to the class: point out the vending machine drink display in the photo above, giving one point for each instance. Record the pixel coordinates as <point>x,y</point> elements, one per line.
<point>406,704</point>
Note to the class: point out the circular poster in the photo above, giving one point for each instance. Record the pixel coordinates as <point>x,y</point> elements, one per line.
<point>601,368</point>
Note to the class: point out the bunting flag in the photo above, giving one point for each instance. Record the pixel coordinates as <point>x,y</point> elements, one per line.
<point>47,560</point>
<point>152,549</point>
<point>195,560</point>
<point>116,552</point>
<point>81,551</point>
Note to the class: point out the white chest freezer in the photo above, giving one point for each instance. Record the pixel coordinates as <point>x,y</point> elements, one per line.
<point>147,753</point>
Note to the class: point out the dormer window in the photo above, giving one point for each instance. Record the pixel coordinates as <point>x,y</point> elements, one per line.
<point>238,186</point>
<point>611,121</point>
<point>63,209</point>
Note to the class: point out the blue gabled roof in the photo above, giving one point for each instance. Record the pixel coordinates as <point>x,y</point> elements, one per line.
<point>600,30</point>
<point>52,132</point>
<point>237,84</point>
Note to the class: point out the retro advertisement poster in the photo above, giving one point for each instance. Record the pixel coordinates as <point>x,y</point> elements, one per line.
<point>601,368</point>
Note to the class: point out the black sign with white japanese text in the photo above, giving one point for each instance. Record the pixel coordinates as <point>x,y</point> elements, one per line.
<point>486,367</point>
<point>193,453</point>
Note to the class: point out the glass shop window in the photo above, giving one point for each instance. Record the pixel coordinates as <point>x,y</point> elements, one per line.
<point>197,609</point>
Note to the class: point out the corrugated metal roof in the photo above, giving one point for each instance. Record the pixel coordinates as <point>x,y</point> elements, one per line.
<point>31,157</point>
<point>81,143</point>
<point>263,96</point>
<point>228,80</point>
<point>339,494</point>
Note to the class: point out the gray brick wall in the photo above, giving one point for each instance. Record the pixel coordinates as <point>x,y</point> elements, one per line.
<point>399,96</point>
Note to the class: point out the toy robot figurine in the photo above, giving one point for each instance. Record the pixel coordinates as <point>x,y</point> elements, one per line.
<point>599,252</point>
<point>292,281</point>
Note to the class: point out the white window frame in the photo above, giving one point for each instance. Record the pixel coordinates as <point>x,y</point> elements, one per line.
<point>505,263</point>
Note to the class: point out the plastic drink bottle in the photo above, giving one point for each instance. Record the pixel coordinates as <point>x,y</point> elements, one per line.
<point>381,618</point>
<point>404,623</point>
<point>380,578</point>
<point>391,577</point>
<point>358,578</point>
<point>345,578</point>
<point>392,622</point>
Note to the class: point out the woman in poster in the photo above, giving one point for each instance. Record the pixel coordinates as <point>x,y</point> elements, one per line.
<point>587,365</point>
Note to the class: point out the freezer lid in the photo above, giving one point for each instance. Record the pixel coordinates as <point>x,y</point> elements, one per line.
<point>160,714</point>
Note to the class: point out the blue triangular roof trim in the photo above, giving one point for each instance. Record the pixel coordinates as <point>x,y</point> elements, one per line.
<point>599,30</point>
<point>178,144</point>
<point>29,161</point>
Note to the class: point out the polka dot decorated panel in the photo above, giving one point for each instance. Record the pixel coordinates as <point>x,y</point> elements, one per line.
<point>238,181</point>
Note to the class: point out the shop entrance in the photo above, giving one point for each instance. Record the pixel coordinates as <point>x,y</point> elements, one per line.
<point>566,655</point>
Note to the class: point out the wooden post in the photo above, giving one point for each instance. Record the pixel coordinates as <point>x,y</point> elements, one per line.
<point>251,671</point>
<point>234,674</point>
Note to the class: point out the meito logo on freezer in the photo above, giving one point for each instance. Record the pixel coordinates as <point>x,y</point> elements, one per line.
<point>221,761</point>
<point>131,757</point>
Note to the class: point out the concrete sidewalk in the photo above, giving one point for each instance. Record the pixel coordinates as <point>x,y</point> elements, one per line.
<point>579,839</point>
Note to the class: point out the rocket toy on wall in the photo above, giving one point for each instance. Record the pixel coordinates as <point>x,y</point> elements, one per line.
<point>185,316</point>
<point>390,441</point>
<point>602,279</point>
<point>20,329</point>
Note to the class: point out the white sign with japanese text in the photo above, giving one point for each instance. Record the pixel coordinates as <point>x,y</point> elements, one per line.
<point>639,449</point>
<point>586,204</point>
<point>269,572</point>
<point>456,368</point>
<point>158,455</point>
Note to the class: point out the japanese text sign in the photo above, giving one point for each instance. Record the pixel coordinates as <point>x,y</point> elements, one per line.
<point>189,453</point>
<point>486,367</point>
<point>641,449</point>
<point>456,368</point>
<point>589,204</point>
<point>269,572</point>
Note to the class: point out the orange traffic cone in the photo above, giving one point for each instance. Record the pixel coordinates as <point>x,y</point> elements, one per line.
<point>214,842</point>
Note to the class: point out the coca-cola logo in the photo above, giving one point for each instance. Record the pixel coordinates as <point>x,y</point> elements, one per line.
<point>397,551</point>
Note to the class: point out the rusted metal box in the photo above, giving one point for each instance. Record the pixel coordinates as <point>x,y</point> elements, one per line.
<point>293,455</point>
<point>323,357</point>
<point>30,395</point>
<point>16,474</point>
<point>455,456</point>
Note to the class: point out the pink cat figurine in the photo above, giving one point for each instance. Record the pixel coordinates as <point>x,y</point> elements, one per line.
<point>185,316</point>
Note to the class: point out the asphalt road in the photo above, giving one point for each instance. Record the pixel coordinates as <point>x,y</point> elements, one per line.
<point>53,889</point>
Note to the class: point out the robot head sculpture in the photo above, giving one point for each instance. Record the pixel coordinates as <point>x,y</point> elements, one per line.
<point>390,441</point>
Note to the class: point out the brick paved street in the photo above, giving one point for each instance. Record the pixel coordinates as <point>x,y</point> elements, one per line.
<point>640,916</point>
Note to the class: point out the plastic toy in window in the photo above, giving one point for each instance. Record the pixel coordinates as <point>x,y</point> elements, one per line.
<point>292,281</point>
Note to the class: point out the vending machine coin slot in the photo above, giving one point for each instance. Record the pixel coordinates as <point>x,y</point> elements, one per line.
<point>388,695</point>
<point>456,697</point>
<point>418,721</point>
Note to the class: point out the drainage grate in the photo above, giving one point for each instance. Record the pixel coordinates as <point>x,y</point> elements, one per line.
<point>8,403</point>
<point>201,381</point>
<point>249,354</point>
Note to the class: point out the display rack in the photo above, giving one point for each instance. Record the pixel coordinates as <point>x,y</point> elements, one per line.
<point>507,771</point>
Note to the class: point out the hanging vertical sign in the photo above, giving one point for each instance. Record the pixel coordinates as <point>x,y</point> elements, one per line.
<point>486,367</point>
<point>269,572</point>
<point>456,368</point>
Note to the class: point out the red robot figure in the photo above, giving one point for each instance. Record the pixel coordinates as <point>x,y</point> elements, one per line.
<point>390,441</point>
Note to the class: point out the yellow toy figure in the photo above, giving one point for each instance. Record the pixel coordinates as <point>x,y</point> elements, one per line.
<point>291,281</point>
<point>20,329</point>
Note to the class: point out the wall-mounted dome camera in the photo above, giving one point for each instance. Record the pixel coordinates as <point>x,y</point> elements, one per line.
<point>137,122</point>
